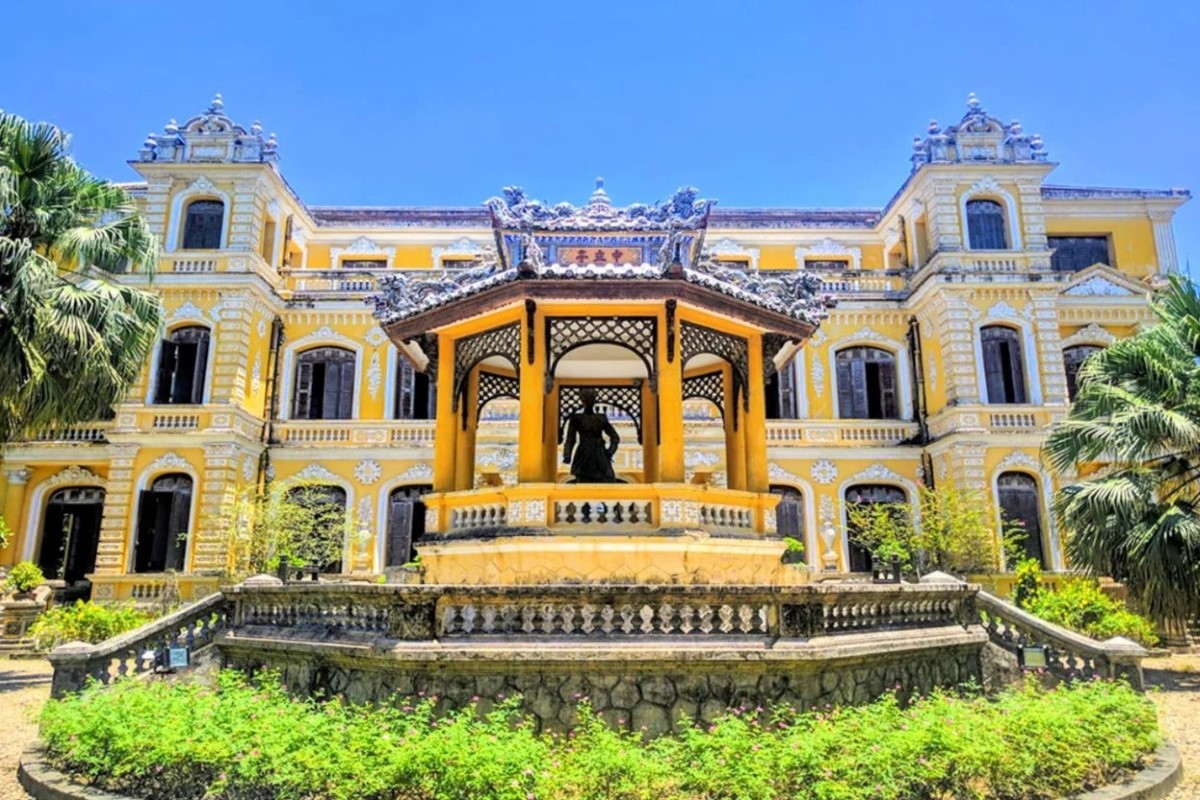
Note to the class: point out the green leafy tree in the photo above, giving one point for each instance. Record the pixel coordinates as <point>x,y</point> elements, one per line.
<point>295,522</point>
<point>72,339</point>
<point>1134,432</point>
<point>886,530</point>
<point>957,530</point>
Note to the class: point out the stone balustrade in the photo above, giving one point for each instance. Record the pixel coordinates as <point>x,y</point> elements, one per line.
<point>416,433</point>
<point>1068,655</point>
<point>137,651</point>
<point>839,432</point>
<point>78,433</point>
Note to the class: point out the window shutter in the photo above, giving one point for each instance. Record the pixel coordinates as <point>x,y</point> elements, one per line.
<point>993,369</point>
<point>405,391</point>
<point>1016,369</point>
<point>985,225</point>
<point>166,371</point>
<point>1018,498</point>
<point>845,381</point>
<point>199,369</point>
<point>858,386</point>
<point>180,503</point>
<point>184,376</point>
<point>143,546</point>
<point>345,397</point>
<point>788,518</point>
<point>304,378</point>
<point>787,391</point>
<point>887,387</point>
<point>400,519</point>
<point>431,409</point>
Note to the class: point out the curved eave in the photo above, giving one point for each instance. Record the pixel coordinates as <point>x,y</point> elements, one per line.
<point>629,291</point>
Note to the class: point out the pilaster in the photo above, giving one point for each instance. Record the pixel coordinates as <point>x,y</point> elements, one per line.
<point>116,525</point>
<point>17,479</point>
<point>232,332</point>
<point>951,319</point>
<point>1048,336</point>
<point>1164,242</point>
<point>247,215</point>
<point>1033,214</point>
<point>942,224</point>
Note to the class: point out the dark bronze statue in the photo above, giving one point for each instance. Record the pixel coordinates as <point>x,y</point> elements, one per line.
<point>591,461</point>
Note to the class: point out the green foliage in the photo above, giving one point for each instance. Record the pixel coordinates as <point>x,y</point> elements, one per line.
<point>72,339</point>
<point>242,739</point>
<point>1081,606</point>
<point>5,533</point>
<point>957,530</point>
<point>1134,431</point>
<point>24,577</point>
<point>293,521</point>
<point>793,545</point>
<point>1028,586</point>
<point>84,622</point>
<point>885,529</point>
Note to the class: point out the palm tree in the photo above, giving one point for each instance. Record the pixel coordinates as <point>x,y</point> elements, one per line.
<point>72,339</point>
<point>1134,430</point>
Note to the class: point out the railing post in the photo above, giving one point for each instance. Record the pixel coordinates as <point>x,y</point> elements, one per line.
<point>71,667</point>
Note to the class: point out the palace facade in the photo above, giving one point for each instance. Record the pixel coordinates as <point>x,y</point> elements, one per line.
<point>963,309</point>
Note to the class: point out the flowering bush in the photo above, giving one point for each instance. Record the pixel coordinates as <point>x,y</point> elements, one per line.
<point>84,622</point>
<point>1081,606</point>
<point>242,739</point>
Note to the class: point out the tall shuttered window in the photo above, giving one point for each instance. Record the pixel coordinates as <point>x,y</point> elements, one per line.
<point>781,393</point>
<point>324,384</point>
<point>1021,507</point>
<point>1003,365</point>
<point>789,514</point>
<point>860,556</point>
<point>866,379</point>
<point>1073,253</point>
<point>182,364</point>
<point>416,395</point>
<point>202,225</point>
<point>164,512</point>
<point>986,228</point>
<point>1073,358</point>
<point>406,523</point>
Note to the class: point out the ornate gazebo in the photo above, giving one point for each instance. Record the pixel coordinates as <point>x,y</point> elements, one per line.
<point>628,308</point>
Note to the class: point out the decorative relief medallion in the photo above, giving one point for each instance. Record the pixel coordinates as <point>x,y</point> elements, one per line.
<point>514,512</point>
<point>315,472</point>
<point>417,472</point>
<point>368,471</point>
<point>375,337</point>
<point>824,471</point>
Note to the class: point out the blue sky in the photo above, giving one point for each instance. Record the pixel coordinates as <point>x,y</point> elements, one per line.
<point>755,103</point>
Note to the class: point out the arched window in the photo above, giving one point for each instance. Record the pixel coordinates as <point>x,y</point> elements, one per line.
<point>781,393</point>
<point>71,533</point>
<point>416,395</point>
<point>406,523</point>
<point>182,361</point>
<point>789,514</point>
<point>1073,358</point>
<point>986,227</point>
<point>164,513</point>
<point>1020,505</point>
<point>866,379</point>
<point>1003,364</point>
<point>860,557</point>
<point>328,517</point>
<point>202,225</point>
<point>324,384</point>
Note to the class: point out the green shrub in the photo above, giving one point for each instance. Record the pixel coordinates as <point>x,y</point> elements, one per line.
<point>793,545</point>
<point>1028,586</point>
<point>241,739</point>
<point>24,577</point>
<point>84,622</point>
<point>1081,606</point>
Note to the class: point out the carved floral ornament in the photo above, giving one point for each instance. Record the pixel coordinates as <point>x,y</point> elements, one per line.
<point>362,246</point>
<point>829,249</point>
<point>1091,334</point>
<point>977,138</point>
<point>168,461</point>
<point>75,475</point>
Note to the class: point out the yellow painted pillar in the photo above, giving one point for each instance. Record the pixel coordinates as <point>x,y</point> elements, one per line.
<point>670,410</point>
<point>649,435</point>
<point>17,479</point>
<point>551,452</point>
<point>755,423</point>
<point>468,424</point>
<point>445,441</point>
<point>735,436</point>
<point>531,429</point>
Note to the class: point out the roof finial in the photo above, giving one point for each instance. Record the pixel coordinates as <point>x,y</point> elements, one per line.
<point>600,197</point>
<point>972,101</point>
<point>217,104</point>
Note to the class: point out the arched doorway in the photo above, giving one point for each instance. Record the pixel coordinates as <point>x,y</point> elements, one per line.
<point>405,523</point>
<point>164,514</point>
<point>868,493</point>
<point>71,533</point>
<point>1018,496</point>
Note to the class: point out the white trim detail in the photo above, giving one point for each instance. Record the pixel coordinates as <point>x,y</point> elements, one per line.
<point>462,246</point>
<point>200,188</point>
<point>1164,243</point>
<point>361,246</point>
<point>1092,334</point>
<point>168,461</point>
<point>726,247</point>
<point>986,188</point>
<point>829,247</point>
<point>316,472</point>
<point>1097,286</point>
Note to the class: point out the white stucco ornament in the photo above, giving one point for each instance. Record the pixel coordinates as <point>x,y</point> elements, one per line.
<point>824,471</point>
<point>368,471</point>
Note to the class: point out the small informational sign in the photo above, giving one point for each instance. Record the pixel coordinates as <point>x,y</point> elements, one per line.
<point>1033,657</point>
<point>177,657</point>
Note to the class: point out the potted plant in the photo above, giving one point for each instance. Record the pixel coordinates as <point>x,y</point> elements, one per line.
<point>793,550</point>
<point>23,579</point>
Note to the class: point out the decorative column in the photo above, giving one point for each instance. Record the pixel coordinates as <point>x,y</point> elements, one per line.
<point>468,410</point>
<point>531,429</point>
<point>735,435</point>
<point>14,503</point>
<point>119,504</point>
<point>231,335</point>
<point>1164,242</point>
<point>670,403</point>
<point>755,424</point>
<point>1048,336</point>
<point>446,432</point>
<point>649,435</point>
